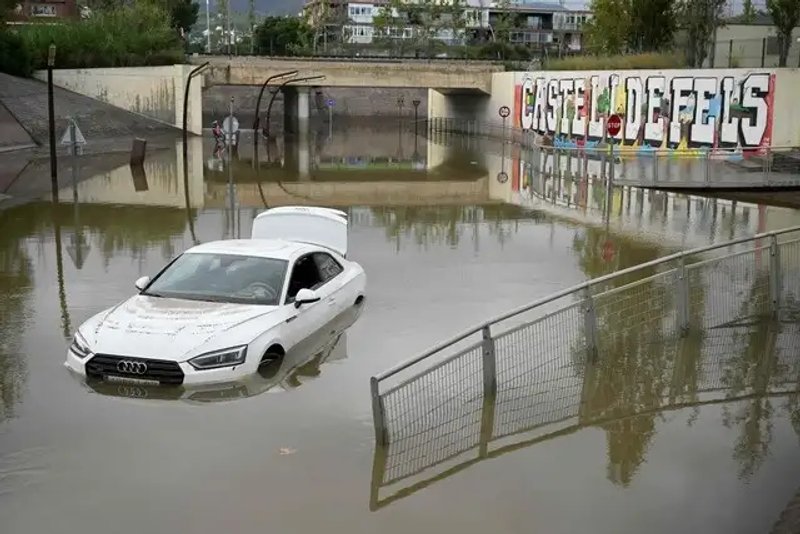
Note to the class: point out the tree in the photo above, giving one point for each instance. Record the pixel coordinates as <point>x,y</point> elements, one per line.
<point>652,24</point>
<point>749,12</point>
<point>183,14</point>
<point>284,36</point>
<point>607,31</point>
<point>785,15</point>
<point>701,19</point>
<point>630,25</point>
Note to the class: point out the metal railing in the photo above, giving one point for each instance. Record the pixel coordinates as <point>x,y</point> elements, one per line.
<point>739,281</point>
<point>769,167</point>
<point>441,435</point>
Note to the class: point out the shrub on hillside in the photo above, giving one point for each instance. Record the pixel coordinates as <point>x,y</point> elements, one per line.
<point>128,36</point>
<point>618,62</point>
<point>14,56</point>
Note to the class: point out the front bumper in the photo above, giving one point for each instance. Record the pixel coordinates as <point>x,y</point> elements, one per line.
<point>180,373</point>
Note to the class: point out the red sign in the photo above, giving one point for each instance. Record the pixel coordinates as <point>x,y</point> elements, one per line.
<point>614,125</point>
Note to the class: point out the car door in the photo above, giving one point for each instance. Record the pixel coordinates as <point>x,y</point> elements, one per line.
<point>331,272</point>
<point>305,320</point>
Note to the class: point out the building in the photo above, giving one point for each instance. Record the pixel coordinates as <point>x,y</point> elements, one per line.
<point>534,24</point>
<point>42,10</point>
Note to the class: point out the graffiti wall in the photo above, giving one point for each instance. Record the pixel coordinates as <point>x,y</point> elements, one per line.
<point>677,109</point>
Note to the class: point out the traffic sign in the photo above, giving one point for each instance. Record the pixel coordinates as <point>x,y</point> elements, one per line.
<point>614,125</point>
<point>502,177</point>
<point>331,102</point>
<point>227,127</point>
<point>504,111</point>
<point>66,139</point>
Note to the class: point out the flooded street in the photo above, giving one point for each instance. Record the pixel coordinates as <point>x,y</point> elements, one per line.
<point>450,232</point>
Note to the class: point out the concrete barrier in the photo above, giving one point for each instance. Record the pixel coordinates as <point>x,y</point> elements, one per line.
<point>155,92</point>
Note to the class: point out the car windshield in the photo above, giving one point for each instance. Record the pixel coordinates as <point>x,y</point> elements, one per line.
<point>222,278</point>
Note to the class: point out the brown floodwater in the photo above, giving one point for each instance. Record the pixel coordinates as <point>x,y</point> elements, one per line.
<point>696,435</point>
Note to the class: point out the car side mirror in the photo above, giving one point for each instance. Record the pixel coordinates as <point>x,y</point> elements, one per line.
<point>305,296</point>
<point>142,282</point>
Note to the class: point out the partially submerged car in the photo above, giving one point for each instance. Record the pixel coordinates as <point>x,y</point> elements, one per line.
<point>223,309</point>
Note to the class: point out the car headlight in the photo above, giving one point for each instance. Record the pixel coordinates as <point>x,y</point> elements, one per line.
<point>220,358</point>
<point>79,346</point>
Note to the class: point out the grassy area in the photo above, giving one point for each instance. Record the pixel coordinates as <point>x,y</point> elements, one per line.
<point>123,37</point>
<point>620,62</point>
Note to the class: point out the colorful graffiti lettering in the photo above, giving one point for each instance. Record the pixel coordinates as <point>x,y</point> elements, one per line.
<point>660,111</point>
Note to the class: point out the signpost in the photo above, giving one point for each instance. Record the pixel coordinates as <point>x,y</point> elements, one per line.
<point>331,102</point>
<point>613,127</point>
<point>504,113</point>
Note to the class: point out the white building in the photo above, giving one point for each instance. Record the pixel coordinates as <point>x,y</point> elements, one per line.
<point>534,24</point>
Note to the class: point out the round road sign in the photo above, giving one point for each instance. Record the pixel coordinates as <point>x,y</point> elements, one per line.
<point>504,111</point>
<point>614,125</point>
<point>331,102</point>
<point>502,177</point>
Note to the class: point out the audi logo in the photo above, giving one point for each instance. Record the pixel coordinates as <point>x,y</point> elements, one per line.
<point>132,367</point>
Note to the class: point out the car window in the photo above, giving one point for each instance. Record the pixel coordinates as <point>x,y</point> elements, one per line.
<point>305,275</point>
<point>328,267</point>
<point>222,278</point>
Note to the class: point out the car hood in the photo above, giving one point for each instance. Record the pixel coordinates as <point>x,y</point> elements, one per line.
<point>167,328</point>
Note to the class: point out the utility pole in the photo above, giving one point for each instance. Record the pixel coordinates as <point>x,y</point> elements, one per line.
<point>51,61</point>
<point>208,28</point>
<point>228,16</point>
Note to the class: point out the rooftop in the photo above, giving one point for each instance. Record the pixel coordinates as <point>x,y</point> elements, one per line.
<point>263,248</point>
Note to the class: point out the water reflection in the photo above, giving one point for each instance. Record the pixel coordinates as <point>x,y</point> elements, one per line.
<point>631,389</point>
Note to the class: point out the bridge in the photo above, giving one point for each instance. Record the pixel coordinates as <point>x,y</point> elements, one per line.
<point>444,76</point>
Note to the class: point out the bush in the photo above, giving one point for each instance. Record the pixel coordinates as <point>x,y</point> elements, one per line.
<point>129,36</point>
<point>14,56</point>
<point>619,62</point>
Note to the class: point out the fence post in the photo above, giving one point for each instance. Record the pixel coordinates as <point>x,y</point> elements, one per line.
<point>775,283</point>
<point>590,324</point>
<point>489,363</point>
<point>763,51</point>
<point>683,297</point>
<point>730,54</point>
<point>378,419</point>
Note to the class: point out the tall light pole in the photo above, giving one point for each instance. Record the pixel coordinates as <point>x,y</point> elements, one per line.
<point>228,16</point>
<point>208,28</point>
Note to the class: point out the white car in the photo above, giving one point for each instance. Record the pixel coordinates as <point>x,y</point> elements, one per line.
<point>221,310</point>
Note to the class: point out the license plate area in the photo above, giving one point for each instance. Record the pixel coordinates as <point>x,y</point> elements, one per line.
<point>114,379</point>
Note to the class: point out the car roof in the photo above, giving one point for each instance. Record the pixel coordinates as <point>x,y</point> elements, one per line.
<point>278,249</point>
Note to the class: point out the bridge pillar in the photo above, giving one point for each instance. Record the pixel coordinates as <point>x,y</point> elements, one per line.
<point>297,149</point>
<point>296,109</point>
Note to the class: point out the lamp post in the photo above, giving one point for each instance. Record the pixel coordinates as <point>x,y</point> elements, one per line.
<point>278,90</point>
<point>208,28</point>
<point>51,60</point>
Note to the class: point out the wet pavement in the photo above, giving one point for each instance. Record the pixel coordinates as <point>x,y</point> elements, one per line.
<point>445,245</point>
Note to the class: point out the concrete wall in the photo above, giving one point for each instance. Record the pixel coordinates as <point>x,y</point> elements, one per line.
<point>670,109</point>
<point>454,75</point>
<point>155,92</point>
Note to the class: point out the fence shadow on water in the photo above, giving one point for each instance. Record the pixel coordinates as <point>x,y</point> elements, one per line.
<point>718,324</point>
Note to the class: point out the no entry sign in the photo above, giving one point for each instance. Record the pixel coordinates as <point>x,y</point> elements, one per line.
<point>614,125</point>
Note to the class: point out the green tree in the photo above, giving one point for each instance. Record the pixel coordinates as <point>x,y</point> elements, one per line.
<point>785,15</point>
<point>630,25</point>
<point>607,31</point>
<point>183,14</point>
<point>652,25</point>
<point>701,19</point>
<point>284,36</point>
<point>749,12</point>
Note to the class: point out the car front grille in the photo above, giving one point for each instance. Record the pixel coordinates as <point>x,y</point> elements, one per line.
<point>165,372</point>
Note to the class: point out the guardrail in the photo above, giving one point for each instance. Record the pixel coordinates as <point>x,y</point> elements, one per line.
<point>690,168</point>
<point>622,394</point>
<point>743,280</point>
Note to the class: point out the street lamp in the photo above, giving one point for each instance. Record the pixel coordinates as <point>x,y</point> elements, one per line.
<point>278,90</point>
<point>51,61</point>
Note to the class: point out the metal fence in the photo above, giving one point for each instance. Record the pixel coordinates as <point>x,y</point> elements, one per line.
<point>449,429</point>
<point>740,282</point>
<point>642,166</point>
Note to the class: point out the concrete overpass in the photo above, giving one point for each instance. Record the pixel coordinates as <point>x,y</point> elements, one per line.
<point>441,75</point>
